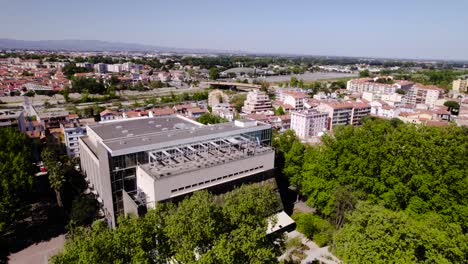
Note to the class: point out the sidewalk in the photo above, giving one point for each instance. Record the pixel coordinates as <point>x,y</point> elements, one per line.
<point>38,253</point>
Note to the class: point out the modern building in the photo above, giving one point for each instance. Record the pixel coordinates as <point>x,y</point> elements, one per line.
<point>163,158</point>
<point>257,102</point>
<point>460,86</point>
<point>308,123</point>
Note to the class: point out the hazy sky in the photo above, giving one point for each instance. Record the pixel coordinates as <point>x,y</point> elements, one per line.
<point>392,28</point>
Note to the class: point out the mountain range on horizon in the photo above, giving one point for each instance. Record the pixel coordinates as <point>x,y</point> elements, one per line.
<point>96,45</point>
<point>112,46</point>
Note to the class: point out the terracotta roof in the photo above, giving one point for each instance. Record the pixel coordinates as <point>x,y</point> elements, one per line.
<point>257,117</point>
<point>162,111</point>
<point>107,112</point>
<point>196,110</point>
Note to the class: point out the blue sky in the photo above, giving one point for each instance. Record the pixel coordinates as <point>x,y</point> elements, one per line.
<point>404,29</point>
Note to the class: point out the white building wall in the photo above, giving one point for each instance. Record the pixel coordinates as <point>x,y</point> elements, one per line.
<point>172,186</point>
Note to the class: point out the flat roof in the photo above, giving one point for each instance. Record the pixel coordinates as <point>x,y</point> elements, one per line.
<point>143,134</point>
<point>122,128</point>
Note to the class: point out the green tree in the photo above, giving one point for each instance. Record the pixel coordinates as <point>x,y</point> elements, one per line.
<point>453,106</point>
<point>238,101</point>
<point>16,176</point>
<point>280,111</point>
<point>214,73</point>
<point>201,228</point>
<point>314,227</point>
<point>364,74</point>
<point>294,159</point>
<point>209,118</point>
<point>55,172</point>
<point>378,235</point>
<point>84,210</point>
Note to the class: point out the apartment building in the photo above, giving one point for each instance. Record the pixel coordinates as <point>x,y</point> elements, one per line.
<point>460,86</point>
<point>295,99</point>
<point>143,161</point>
<point>114,68</point>
<point>423,94</point>
<point>73,129</point>
<point>308,123</point>
<point>344,113</point>
<point>360,110</point>
<point>100,67</point>
<point>257,102</point>
<point>372,85</point>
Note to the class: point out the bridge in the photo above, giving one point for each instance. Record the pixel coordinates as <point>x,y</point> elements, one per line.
<point>238,86</point>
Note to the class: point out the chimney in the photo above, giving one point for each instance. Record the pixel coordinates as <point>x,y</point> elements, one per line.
<point>150,114</point>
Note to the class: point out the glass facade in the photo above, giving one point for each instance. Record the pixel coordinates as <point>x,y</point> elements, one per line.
<point>262,136</point>
<point>123,175</point>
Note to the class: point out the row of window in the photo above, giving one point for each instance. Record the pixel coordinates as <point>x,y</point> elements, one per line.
<point>217,179</point>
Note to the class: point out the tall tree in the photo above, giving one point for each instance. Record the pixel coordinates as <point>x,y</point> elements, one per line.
<point>16,171</point>
<point>55,172</point>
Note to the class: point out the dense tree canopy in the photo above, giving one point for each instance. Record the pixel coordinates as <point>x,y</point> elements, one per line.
<point>90,85</point>
<point>16,172</point>
<point>378,235</point>
<point>208,118</point>
<point>70,69</point>
<point>418,168</point>
<point>416,176</point>
<point>227,229</point>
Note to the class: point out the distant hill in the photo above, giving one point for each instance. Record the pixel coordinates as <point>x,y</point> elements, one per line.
<point>94,45</point>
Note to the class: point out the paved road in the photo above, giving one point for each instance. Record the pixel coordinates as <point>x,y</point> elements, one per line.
<point>38,253</point>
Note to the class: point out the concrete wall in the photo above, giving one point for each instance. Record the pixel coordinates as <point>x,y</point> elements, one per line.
<point>96,169</point>
<point>173,186</point>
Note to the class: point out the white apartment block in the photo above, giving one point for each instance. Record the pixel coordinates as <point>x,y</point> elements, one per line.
<point>371,85</point>
<point>423,94</point>
<point>296,100</point>
<point>114,68</point>
<point>257,102</point>
<point>86,65</point>
<point>368,85</point>
<point>394,99</point>
<point>308,123</point>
